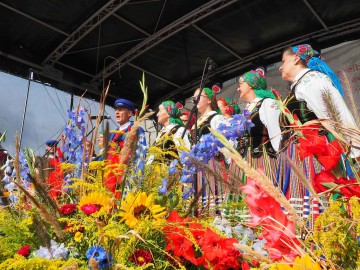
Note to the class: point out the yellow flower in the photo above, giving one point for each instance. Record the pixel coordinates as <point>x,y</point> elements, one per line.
<point>67,167</point>
<point>97,165</point>
<point>78,236</point>
<point>138,207</point>
<point>303,263</point>
<point>96,198</point>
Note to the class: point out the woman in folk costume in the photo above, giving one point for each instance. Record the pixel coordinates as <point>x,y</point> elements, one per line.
<point>228,107</point>
<point>260,145</point>
<point>212,189</point>
<point>311,79</point>
<point>169,137</point>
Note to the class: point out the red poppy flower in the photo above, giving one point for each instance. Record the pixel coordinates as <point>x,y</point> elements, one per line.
<point>331,156</point>
<point>141,257</point>
<point>312,144</point>
<point>67,209</point>
<point>24,251</point>
<point>89,208</point>
<point>177,240</point>
<point>351,190</point>
<point>114,178</point>
<point>320,178</point>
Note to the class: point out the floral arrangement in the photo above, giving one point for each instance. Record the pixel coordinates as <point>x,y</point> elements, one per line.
<point>122,213</point>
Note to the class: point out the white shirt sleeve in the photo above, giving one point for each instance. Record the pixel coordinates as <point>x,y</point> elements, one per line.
<point>269,116</point>
<point>217,120</point>
<point>311,90</point>
<point>182,141</point>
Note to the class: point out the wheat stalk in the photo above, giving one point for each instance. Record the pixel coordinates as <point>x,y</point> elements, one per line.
<point>257,176</point>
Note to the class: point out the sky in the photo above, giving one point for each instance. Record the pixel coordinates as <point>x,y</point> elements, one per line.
<point>46,113</point>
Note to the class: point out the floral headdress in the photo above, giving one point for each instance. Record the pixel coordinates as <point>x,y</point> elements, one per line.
<point>256,80</point>
<point>231,107</point>
<point>173,112</point>
<point>314,62</point>
<point>212,96</point>
<point>210,93</point>
<point>305,52</point>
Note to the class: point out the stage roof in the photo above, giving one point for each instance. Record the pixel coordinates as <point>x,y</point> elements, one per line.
<point>78,45</point>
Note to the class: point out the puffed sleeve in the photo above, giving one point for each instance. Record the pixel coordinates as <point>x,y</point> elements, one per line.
<point>269,116</point>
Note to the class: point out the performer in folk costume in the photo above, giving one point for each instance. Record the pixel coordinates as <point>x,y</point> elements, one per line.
<point>184,117</point>
<point>124,109</point>
<point>55,179</point>
<point>228,107</point>
<point>100,143</point>
<point>169,136</point>
<point>214,192</point>
<point>310,79</point>
<point>260,145</point>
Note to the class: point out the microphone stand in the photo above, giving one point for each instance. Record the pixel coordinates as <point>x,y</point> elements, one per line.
<point>194,111</point>
<point>206,71</point>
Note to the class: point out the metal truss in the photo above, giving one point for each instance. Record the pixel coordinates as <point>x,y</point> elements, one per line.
<point>154,75</point>
<point>34,19</point>
<point>315,14</point>
<point>216,41</point>
<point>168,31</point>
<point>84,29</point>
<point>276,50</point>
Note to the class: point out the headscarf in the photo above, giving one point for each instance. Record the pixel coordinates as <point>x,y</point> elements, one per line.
<point>212,96</point>
<point>231,107</point>
<point>210,93</point>
<point>314,62</point>
<point>257,81</point>
<point>173,112</point>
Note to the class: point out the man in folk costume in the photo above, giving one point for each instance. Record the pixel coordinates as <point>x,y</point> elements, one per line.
<point>124,109</point>
<point>55,179</point>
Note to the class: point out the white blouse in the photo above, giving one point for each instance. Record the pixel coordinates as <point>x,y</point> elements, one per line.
<point>311,88</point>
<point>269,115</point>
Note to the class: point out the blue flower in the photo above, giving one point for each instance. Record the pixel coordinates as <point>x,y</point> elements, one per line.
<point>186,194</point>
<point>98,253</point>
<point>163,188</point>
<point>187,177</point>
<point>172,167</point>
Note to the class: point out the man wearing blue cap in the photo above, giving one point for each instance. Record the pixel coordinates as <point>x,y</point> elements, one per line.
<point>51,148</point>
<point>124,109</point>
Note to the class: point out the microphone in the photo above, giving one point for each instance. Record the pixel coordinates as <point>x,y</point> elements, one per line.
<point>212,64</point>
<point>102,117</point>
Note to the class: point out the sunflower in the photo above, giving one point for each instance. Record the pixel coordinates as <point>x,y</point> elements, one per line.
<point>100,200</point>
<point>139,206</point>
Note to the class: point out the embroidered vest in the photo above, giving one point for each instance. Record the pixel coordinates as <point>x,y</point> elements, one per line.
<point>119,139</point>
<point>167,144</point>
<point>297,107</point>
<point>202,129</point>
<point>256,137</point>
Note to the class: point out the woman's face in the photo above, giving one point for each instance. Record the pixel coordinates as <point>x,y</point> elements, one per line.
<point>288,64</point>
<point>222,107</point>
<point>162,115</point>
<point>244,89</point>
<point>204,101</point>
<point>100,140</point>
